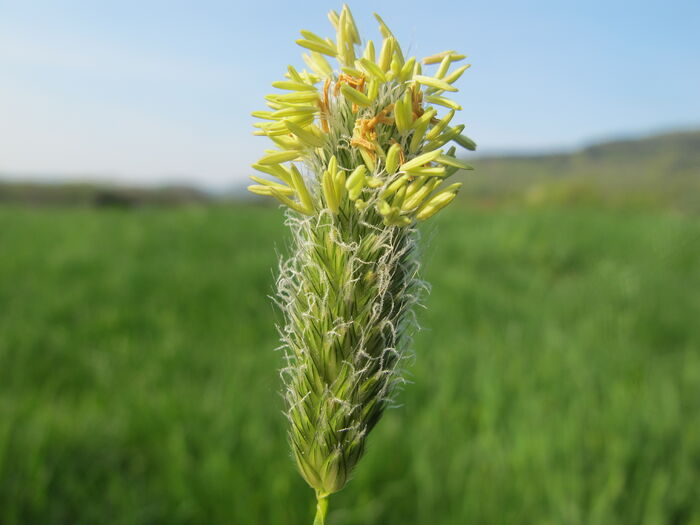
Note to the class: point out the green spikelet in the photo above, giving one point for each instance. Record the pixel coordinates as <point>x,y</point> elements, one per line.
<point>347,293</point>
<point>359,164</point>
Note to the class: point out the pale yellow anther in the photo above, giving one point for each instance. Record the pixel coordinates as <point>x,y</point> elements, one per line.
<point>374,182</point>
<point>333,19</point>
<point>311,135</point>
<point>407,107</point>
<point>341,30</point>
<point>398,199</point>
<point>260,134</point>
<point>454,76</point>
<point>346,52</point>
<point>444,138</point>
<point>444,66</point>
<point>369,51</point>
<point>339,181</point>
<point>440,126</point>
<point>351,25</point>
<point>418,136</point>
<point>420,160</point>
<point>308,35</point>
<point>395,67</point>
<point>355,96</point>
<point>310,78</point>
<point>295,111</point>
<point>275,170</point>
<point>373,89</point>
<point>267,115</point>
<point>319,47</point>
<point>296,206</point>
<point>392,158</point>
<point>383,28</point>
<point>368,159</point>
<point>332,165</point>
<point>437,58</point>
<point>353,72</point>
<point>318,64</point>
<point>355,192</point>
<point>361,205</point>
<point>357,175</point>
<point>407,70</point>
<point>416,197</point>
<point>436,171</point>
<point>300,186</point>
<point>293,74</point>
<point>434,205</point>
<point>303,118</point>
<point>465,142</point>
<point>386,54</point>
<point>452,188</point>
<point>400,120</point>
<point>278,157</point>
<point>401,221</point>
<point>417,69</point>
<point>258,189</point>
<point>451,161</point>
<point>442,101</point>
<point>392,214</point>
<point>414,186</point>
<point>328,188</point>
<point>282,188</point>
<point>278,128</point>
<point>356,182</point>
<point>395,186</point>
<point>286,190</point>
<point>293,86</point>
<point>287,142</point>
<point>383,207</point>
<point>339,184</point>
<point>398,53</point>
<point>432,82</point>
<point>297,97</point>
<point>372,69</point>
<point>424,119</point>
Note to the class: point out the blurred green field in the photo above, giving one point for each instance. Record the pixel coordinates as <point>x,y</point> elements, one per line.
<point>557,380</point>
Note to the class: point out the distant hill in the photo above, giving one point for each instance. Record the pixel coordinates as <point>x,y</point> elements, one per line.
<point>98,195</point>
<point>664,169</point>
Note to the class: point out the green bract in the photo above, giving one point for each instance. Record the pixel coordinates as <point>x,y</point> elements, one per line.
<point>359,159</point>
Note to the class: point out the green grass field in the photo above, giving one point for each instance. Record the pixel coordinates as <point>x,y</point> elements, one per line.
<point>557,380</point>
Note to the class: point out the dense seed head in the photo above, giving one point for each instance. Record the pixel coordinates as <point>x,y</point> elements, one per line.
<point>359,160</point>
<point>347,293</point>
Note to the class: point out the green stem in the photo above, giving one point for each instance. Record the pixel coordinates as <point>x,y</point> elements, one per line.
<point>321,509</point>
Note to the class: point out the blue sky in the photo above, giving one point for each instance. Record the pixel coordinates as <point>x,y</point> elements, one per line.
<point>152,91</point>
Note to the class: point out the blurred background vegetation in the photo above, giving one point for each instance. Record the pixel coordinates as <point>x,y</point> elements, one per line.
<point>557,380</point>
<point>660,171</point>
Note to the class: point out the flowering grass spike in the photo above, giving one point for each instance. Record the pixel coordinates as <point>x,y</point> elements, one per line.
<point>361,155</point>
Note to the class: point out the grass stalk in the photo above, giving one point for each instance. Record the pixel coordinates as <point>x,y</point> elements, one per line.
<point>321,509</point>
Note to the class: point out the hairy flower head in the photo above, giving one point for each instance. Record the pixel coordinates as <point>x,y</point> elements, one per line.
<point>361,153</point>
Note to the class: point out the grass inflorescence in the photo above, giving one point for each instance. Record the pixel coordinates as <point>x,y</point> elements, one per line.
<point>359,161</point>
